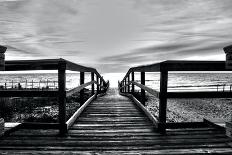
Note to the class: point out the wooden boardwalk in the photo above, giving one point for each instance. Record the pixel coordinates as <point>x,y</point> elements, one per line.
<point>113,124</point>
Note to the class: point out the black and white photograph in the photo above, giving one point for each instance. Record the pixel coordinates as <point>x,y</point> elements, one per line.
<point>115,77</point>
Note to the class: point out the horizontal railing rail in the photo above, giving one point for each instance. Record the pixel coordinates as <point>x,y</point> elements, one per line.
<point>61,93</point>
<point>128,83</point>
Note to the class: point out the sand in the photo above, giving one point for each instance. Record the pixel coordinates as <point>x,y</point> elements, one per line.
<point>192,110</point>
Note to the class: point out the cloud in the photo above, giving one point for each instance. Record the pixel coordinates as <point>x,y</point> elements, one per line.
<point>170,51</point>
<point>117,34</point>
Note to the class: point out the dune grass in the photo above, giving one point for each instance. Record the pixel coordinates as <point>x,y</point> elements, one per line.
<point>37,109</point>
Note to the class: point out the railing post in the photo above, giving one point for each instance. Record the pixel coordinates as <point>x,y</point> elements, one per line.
<point>132,79</point>
<point>101,84</point>
<point>62,98</point>
<point>128,78</point>
<point>121,84</point>
<point>163,101</point>
<point>97,85</point>
<point>92,79</point>
<point>125,86</point>
<point>82,81</point>
<point>142,90</point>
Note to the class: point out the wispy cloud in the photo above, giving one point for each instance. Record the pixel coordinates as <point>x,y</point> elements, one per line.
<point>114,35</point>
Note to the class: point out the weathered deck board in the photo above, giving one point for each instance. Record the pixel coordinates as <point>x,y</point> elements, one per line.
<point>114,125</point>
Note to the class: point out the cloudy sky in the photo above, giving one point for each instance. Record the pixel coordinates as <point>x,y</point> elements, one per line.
<point>113,35</point>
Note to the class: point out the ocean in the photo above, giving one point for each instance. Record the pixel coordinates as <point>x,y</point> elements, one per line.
<point>176,81</point>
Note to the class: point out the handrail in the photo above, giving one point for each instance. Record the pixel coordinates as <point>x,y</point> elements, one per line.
<point>61,65</point>
<point>79,88</point>
<point>180,65</point>
<point>149,90</point>
<point>72,119</point>
<point>126,86</point>
<point>47,64</point>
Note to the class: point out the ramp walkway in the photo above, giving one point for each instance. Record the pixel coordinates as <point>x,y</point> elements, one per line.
<point>113,124</point>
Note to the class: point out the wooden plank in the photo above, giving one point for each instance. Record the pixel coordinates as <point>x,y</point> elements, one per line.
<point>112,138</point>
<point>62,99</point>
<point>33,125</point>
<point>213,124</point>
<point>185,125</point>
<point>194,65</point>
<point>98,85</point>
<point>92,87</point>
<point>125,133</point>
<point>125,85</point>
<point>163,100</point>
<point>71,121</point>
<point>103,143</point>
<point>128,80</point>
<point>82,81</point>
<point>45,64</point>
<point>146,112</point>
<point>79,88</point>
<point>179,65</point>
<point>156,149</point>
<point>143,95</point>
<point>149,90</point>
<point>132,80</point>
<point>28,93</point>
<point>199,94</point>
<point>11,127</point>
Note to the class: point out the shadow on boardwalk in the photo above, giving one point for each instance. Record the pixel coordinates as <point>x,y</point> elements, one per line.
<point>112,124</point>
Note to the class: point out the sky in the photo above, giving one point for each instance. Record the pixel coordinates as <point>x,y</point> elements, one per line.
<point>114,35</point>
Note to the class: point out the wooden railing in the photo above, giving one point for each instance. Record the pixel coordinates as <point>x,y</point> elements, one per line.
<point>61,65</point>
<point>127,87</point>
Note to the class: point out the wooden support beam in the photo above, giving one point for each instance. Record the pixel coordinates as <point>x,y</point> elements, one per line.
<point>98,85</point>
<point>132,79</point>
<point>214,124</point>
<point>121,84</point>
<point>122,89</point>
<point>82,81</point>
<point>79,88</point>
<point>128,80</point>
<point>92,79</point>
<point>163,101</point>
<point>62,98</point>
<point>142,90</point>
<point>28,93</point>
<point>149,90</point>
<point>32,125</point>
<point>200,94</point>
<point>125,85</point>
<point>185,125</point>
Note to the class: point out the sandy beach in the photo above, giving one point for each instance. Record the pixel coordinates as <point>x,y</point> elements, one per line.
<point>192,110</point>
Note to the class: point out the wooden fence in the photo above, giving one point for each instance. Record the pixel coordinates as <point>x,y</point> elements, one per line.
<point>61,93</point>
<point>127,87</point>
